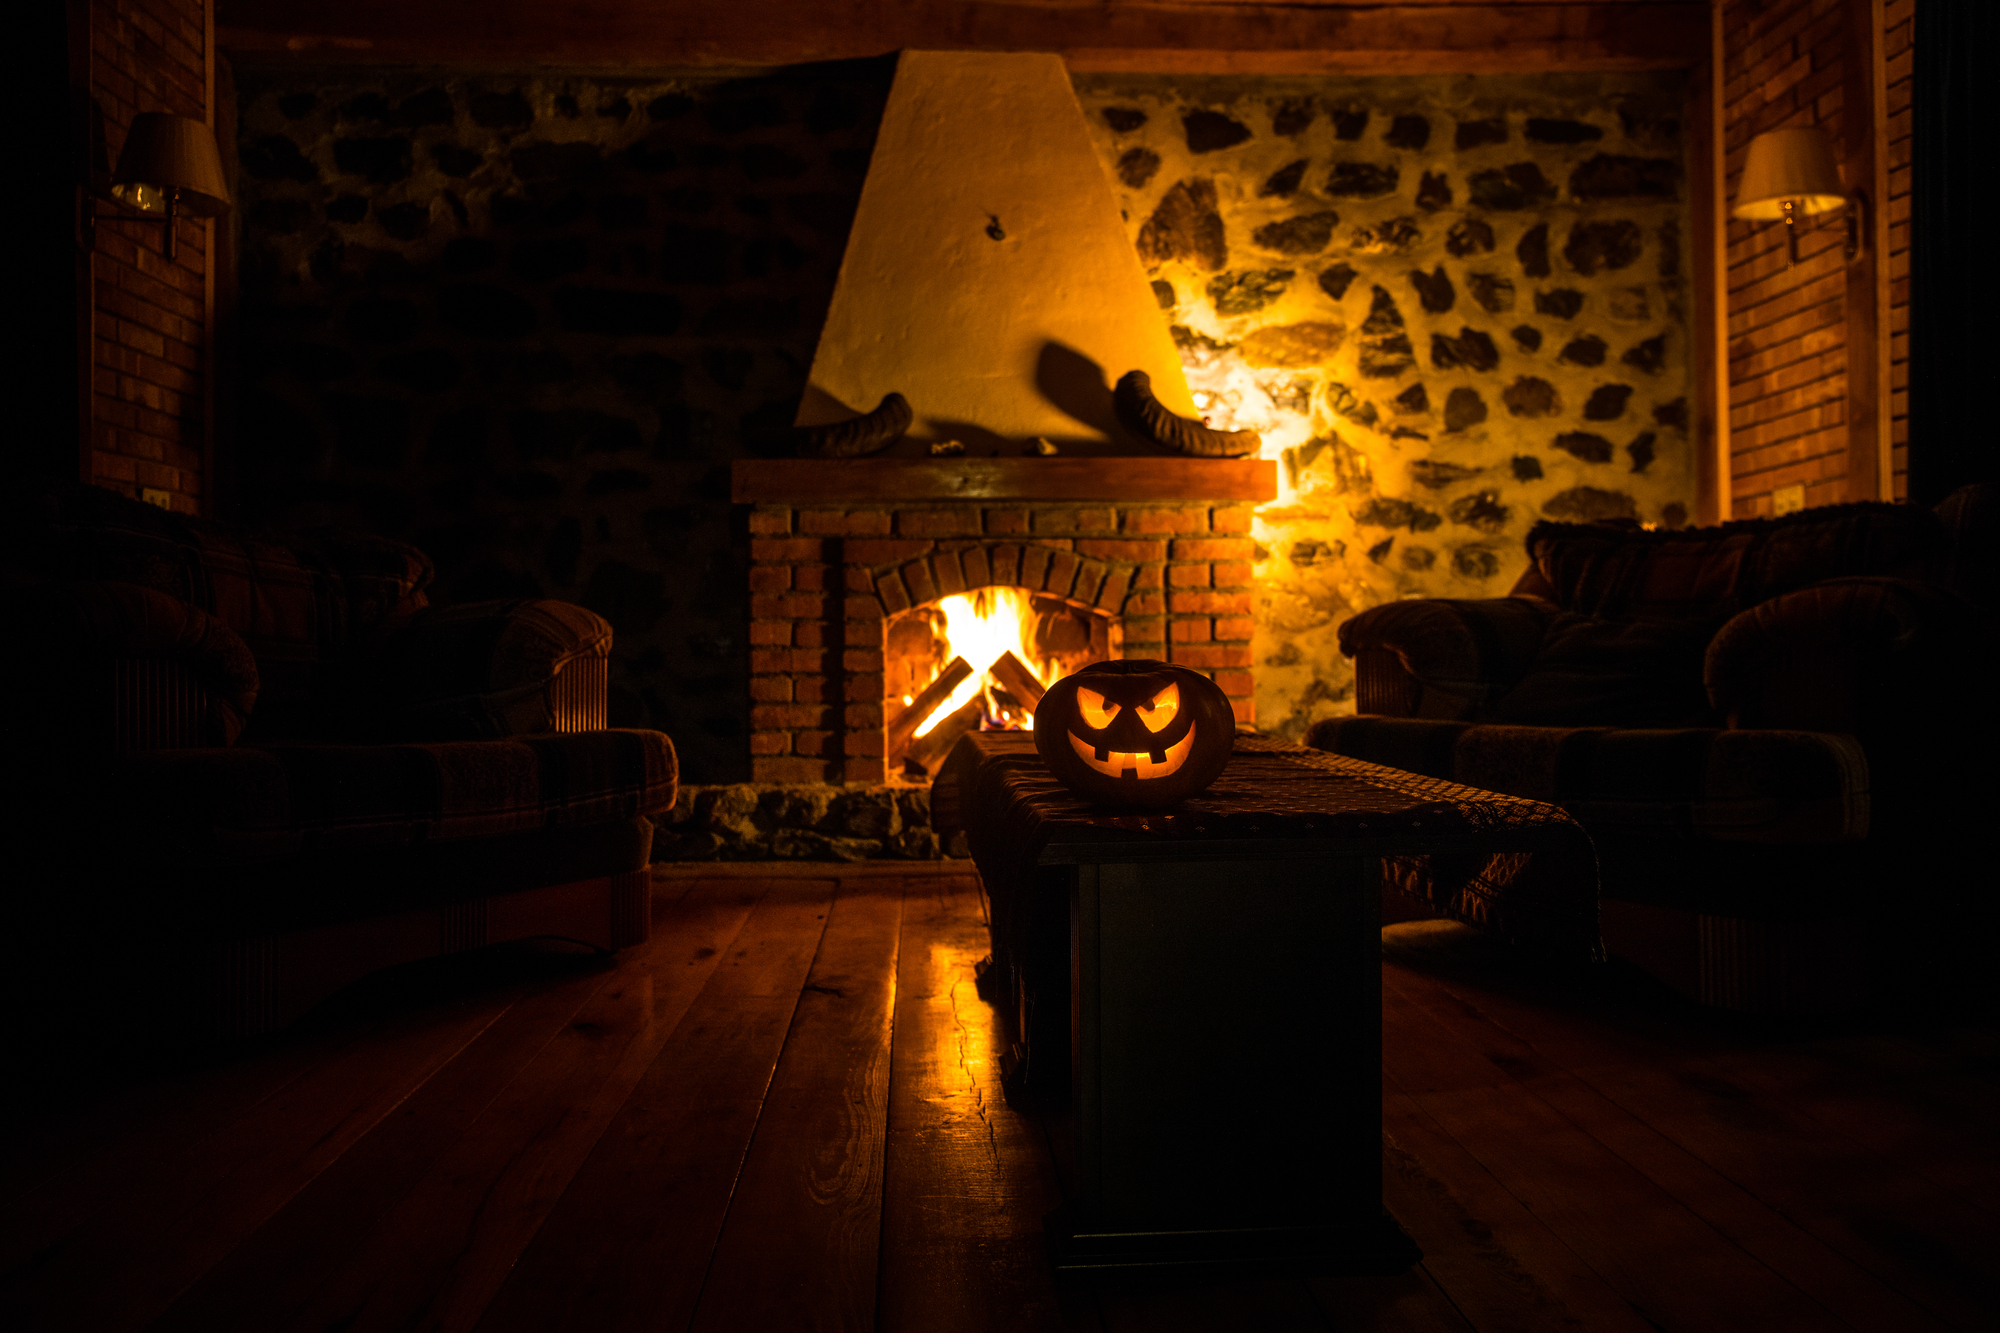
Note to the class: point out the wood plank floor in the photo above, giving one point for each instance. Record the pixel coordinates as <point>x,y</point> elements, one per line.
<point>783,1113</point>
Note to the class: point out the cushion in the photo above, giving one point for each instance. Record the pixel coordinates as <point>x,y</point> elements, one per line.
<point>1971,518</point>
<point>1709,574</point>
<point>1415,745</point>
<point>97,622</point>
<point>1468,648</point>
<point>275,800</point>
<point>1862,655</point>
<point>1632,673</point>
<point>305,605</point>
<point>484,669</point>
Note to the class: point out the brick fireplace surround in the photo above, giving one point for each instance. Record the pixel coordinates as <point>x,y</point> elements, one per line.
<point>839,548</point>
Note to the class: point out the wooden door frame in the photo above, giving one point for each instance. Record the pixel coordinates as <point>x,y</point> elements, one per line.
<point>1708,223</point>
<point>1864,133</point>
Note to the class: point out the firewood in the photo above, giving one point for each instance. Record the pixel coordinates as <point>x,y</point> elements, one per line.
<point>1017,680</point>
<point>929,750</point>
<point>935,693</point>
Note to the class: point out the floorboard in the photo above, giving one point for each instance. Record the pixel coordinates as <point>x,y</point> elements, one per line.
<point>800,1247</point>
<point>181,1220</point>
<point>1505,1270</point>
<point>1272,1305</point>
<point>1630,1231</point>
<point>377,1212</point>
<point>1410,1303</point>
<point>783,1112</point>
<point>968,1179</point>
<point>1652,1143</point>
<point>1873,1240</point>
<point>627,1244</point>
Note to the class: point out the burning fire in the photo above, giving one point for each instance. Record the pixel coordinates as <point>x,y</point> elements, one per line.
<point>980,626</point>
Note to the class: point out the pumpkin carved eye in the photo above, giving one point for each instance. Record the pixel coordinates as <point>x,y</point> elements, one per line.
<point>1162,709</point>
<point>1097,714</point>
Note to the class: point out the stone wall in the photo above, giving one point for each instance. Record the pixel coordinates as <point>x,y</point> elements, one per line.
<point>1452,306</point>
<point>802,821</point>
<point>527,322</point>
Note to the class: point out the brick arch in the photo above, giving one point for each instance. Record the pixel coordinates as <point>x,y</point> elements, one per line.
<point>824,583</point>
<point>1087,582</point>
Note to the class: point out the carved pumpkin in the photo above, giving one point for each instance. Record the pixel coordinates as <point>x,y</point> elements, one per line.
<point>1137,733</point>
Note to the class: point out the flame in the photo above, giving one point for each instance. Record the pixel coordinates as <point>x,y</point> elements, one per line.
<point>980,626</point>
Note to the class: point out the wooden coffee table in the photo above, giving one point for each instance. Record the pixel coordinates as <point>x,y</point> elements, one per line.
<point>1203,987</point>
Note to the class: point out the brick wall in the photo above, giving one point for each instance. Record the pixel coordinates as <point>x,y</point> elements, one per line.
<point>1897,50</point>
<point>824,583</point>
<point>149,416</point>
<point>1782,66</point>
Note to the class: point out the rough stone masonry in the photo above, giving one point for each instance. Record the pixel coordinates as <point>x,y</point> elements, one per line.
<point>1453,305</point>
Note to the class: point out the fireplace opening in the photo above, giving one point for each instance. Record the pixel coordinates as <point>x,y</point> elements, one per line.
<point>980,661</point>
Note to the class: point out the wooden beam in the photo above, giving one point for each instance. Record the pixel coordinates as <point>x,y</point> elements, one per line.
<point>1142,480</point>
<point>1708,234</point>
<point>1864,135</point>
<point>212,229</point>
<point>1314,37</point>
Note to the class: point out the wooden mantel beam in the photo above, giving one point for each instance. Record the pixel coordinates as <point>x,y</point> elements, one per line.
<point>1188,36</point>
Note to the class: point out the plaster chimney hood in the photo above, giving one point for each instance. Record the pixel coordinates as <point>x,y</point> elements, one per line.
<point>989,278</point>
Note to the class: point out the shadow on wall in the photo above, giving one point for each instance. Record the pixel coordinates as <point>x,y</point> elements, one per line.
<point>1074,382</point>
<point>527,323</point>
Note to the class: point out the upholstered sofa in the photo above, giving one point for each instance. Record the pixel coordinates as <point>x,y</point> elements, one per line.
<point>1772,730</point>
<point>255,768</point>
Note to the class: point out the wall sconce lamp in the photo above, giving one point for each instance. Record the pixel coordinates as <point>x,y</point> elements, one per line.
<point>1792,172</point>
<point>169,166</point>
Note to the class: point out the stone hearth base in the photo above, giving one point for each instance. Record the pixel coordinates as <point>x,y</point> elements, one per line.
<point>802,822</point>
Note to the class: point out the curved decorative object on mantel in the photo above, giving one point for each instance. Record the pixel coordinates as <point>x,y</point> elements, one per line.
<point>869,433</point>
<point>1145,416</point>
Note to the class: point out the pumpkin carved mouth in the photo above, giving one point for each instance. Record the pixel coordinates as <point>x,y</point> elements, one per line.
<point>1133,763</point>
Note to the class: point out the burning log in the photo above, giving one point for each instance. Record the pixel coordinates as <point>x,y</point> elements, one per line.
<point>935,693</point>
<point>1017,680</point>
<point>930,749</point>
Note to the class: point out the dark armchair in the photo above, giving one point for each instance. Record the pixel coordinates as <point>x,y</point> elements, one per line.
<point>255,769</point>
<point>1771,730</point>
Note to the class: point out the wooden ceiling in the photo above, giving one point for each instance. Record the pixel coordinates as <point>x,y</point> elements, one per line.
<point>1188,36</point>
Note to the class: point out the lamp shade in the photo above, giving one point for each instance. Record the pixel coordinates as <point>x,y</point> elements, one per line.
<point>1796,164</point>
<point>171,153</point>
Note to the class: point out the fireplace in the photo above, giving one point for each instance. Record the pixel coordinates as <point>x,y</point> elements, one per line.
<point>851,560</point>
<point>988,280</point>
<point>981,660</point>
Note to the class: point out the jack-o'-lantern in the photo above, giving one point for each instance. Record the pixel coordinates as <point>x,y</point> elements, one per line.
<point>1135,733</point>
